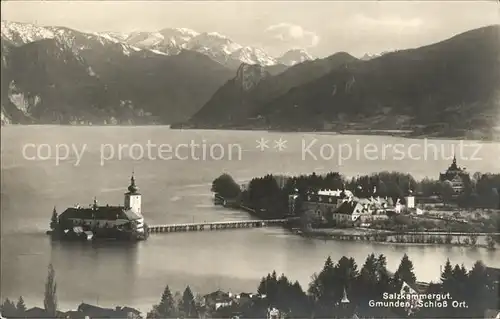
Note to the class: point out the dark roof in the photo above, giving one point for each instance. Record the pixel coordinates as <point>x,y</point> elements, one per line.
<point>132,193</point>
<point>346,208</point>
<point>101,213</point>
<point>219,294</point>
<point>91,310</point>
<point>85,306</point>
<point>95,311</point>
<point>37,312</point>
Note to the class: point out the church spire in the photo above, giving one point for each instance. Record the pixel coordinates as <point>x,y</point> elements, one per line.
<point>132,187</point>
<point>454,166</point>
<point>344,300</point>
<point>409,190</point>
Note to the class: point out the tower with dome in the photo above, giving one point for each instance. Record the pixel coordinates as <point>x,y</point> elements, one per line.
<point>133,197</point>
<point>95,221</point>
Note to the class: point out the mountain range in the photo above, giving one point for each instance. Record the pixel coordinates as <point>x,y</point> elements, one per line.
<point>60,75</point>
<point>450,88</point>
<point>206,80</point>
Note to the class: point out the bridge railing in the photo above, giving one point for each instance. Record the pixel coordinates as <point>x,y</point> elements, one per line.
<point>265,221</point>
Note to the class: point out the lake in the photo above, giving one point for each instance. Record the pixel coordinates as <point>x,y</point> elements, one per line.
<point>174,178</point>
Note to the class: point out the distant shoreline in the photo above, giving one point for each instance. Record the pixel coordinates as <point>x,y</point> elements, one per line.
<point>407,134</point>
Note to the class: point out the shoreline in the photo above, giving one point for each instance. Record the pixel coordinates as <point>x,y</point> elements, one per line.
<point>386,242</point>
<point>406,134</point>
<point>365,235</point>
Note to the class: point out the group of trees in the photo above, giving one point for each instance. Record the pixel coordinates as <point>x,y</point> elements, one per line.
<point>226,187</point>
<point>184,306</point>
<point>269,194</point>
<point>284,294</point>
<point>10,309</point>
<point>480,191</point>
<point>477,288</point>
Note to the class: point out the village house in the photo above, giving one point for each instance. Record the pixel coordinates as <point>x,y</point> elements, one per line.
<point>343,206</point>
<point>324,203</point>
<point>244,298</point>
<point>217,299</point>
<point>86,310</point>
<point>37,312</point>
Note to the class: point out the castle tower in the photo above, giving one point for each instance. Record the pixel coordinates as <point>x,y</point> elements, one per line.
<point>133,197</point>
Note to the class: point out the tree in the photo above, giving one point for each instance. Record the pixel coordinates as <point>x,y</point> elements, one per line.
<point>473,239</point>
<point>21,307</point>
<point>225,186</point>
<point>368,278</point>
<point>8,309</point>
<point>153,313</point>
<point>446,191</point>
<point>50,300</point>
<point>345,273</point>
<point>368,273</point>
<point>479,294</point>
<point>490,242</point>
<point>460,277</point>
<point>54,221</point>
<point>405,271</point>
<point>322,287</point>
<point>447,275</point>
<point>166,307</point>
<point>493,198</point>
<point>383,276</point>
<point>188,305</point>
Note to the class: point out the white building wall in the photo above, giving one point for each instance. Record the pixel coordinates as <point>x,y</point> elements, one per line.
<point>133,202</point>
<point>410,201</point>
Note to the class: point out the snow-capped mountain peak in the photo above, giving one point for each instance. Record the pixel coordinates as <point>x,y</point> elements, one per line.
<point>369,56</point>
<point>106,36</point>
<point>250,55</point>
<point>216,35</point>
<point>294,56</point>
<point>167,41</point>
<point>22,33</point>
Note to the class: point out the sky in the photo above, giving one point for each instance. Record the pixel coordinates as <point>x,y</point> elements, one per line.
<point>320,27</point>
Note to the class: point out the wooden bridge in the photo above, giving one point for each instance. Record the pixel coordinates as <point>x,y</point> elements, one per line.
<point>171,228</point>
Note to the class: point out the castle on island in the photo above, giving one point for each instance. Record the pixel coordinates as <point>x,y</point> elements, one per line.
<point>117,222</point>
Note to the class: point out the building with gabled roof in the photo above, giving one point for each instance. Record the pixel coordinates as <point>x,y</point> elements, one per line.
<point>107,221</point>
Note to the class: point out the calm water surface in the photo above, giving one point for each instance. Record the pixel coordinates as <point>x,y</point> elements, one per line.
<point>178,190</point>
